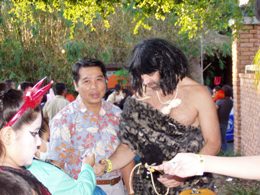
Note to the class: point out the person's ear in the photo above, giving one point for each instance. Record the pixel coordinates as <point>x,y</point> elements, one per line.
<point>7,135</point>
<point>106,81</point>
<point>75,86</point>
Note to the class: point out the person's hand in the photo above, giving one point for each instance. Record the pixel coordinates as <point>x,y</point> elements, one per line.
<point>89,159</point>
<point>99,169</point>
<point>170,181</point>
<point>183,165</point>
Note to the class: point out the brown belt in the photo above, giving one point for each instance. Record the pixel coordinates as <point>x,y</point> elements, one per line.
<point>109,181</point>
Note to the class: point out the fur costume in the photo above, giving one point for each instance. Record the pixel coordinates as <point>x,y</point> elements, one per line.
<point>156,137</point>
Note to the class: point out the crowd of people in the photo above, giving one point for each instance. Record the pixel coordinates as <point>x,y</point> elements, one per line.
<point>89,145</point>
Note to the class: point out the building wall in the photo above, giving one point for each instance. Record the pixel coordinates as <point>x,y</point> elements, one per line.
<point>244,47</point>
<point>250,118</point>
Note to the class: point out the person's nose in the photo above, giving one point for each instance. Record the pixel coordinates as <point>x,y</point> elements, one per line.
<point>38,140</point>
<point>146,79</point>
<point>93,84</point>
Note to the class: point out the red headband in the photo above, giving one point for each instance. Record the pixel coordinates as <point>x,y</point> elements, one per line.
<point>32,99</point>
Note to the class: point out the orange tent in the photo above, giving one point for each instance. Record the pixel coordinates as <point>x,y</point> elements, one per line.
<point>112,81</point>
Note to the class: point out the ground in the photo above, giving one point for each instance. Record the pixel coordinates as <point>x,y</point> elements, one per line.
<point>233,186</point>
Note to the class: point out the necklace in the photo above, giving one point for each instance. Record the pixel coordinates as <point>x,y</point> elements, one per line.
<point>168,105</point>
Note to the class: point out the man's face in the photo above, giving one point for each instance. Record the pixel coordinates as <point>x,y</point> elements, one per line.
<point>91,85</point>
<point>151,80</point>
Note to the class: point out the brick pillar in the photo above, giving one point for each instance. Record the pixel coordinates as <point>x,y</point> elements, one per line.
<point>244,48</point>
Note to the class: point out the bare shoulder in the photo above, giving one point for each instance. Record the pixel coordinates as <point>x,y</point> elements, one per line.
<point>194,87</point>
<point>197,93</point>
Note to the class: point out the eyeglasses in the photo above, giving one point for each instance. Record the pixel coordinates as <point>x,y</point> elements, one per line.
<point>32,99</point>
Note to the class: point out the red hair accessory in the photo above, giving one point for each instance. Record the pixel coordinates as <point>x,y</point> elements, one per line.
<point>32,99</point>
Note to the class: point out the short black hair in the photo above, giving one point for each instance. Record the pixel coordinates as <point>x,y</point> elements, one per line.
<point>26,84</point>
<point>9,83</point>
<point>60,88</point>
<point>227,90</point>
<point>118,87</point>
<point>84,63</point>
<point>158,55</point>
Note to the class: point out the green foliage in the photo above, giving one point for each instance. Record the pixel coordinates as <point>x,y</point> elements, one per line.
<point>193,17</point>
<point>39,37</point>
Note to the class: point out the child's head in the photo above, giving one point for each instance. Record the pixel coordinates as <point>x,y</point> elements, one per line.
<point>19,141</point>
<point>20,122</point>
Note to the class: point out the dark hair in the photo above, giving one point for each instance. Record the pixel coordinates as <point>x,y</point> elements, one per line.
<point>117,87</point>
<point>45,127</point>
<point>26,84</point>
<point>158,55</point>
<point>60,88</point>
<point>11,183</point>
<point>10,102</point>
<point>227,90</point>
<point>9,83</point>
<point>84,63</point>
<point>217,88</point>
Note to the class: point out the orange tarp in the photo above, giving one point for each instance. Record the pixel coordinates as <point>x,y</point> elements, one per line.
<point>112,81</point>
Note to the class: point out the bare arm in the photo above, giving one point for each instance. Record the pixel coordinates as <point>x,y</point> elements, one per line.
<point>208,121</point>
<point>126,174</point>
<point>243,167</point>
<point>120,158</point>
<point>189,164</point>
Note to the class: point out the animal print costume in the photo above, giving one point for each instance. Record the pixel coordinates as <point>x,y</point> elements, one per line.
<point>156,137</point>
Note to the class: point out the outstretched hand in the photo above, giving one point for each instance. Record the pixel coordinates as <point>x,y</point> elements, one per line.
<point>89,159</point>
<point>99,169</point>
<point>171,181</point>
<point>183,165</point>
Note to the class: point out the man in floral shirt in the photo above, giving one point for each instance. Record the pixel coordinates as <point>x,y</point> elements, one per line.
<point>87,125</point>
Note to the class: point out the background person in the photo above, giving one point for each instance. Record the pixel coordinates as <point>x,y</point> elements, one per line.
<point>53,106</point>
<point>224,107</point>
<point>10,84</point>
<point>25,86</point>
<point>116,96</point>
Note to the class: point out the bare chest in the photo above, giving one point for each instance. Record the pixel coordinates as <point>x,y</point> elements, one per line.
<point>185,113</point>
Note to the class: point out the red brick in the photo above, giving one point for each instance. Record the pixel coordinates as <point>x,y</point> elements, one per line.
<point>246,35</point>
<point>244,57</point>
<point>246,45</point>
<point>247,53</point>
<point>244,40</point>
<point>243,32</point>
<point>254,40</point>
<point>244,49</point>
<point>253,31</point>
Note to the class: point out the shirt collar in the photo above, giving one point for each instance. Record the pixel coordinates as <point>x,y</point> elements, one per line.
<point>83,108</point>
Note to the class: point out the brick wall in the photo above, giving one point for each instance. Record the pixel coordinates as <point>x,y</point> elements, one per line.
<point>244,47</point>
<point>250,119</point>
